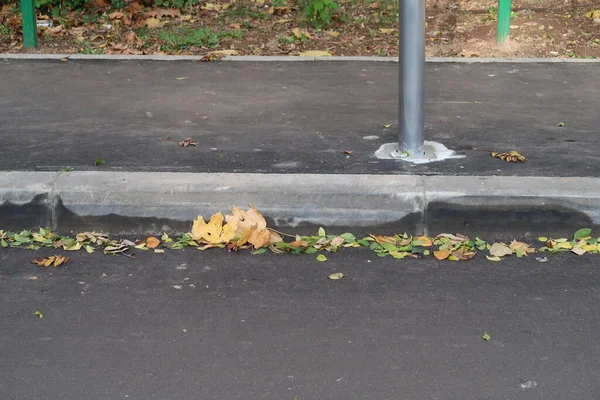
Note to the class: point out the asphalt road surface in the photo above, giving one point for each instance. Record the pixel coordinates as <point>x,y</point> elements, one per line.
<point>213,325</point>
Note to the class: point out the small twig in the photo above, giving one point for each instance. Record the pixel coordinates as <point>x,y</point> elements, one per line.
<point>78,262</point>
<point>281,233</point>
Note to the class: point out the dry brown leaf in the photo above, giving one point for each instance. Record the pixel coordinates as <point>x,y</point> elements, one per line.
<point>456,238</point>
<point>245,220</point>
<point>384,239</point>
<point>260,238</point>
<point>163,12</point>
<point>213,232</point>
<point>298,243</point>
<point>282,21</point>
<point>348,151</point>
<point>235,26</point>
<point>152,242</point>
<point>188,142</point>
<point>115,15</point>
<point>464,255</point>
<point>337,241</point>
<point>523,248</point>
<point>53,30</point>
<point>275,237</point>
<point>333,34</point>
<point>301,32</point>
<point>442,254</point>
<point>214,56</point>
<point>511,156</point>
<point>54,261</point>
<point>134,7</point>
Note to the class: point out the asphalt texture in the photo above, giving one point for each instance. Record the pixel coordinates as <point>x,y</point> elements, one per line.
<point>293,117</point>
<point>275,327</point>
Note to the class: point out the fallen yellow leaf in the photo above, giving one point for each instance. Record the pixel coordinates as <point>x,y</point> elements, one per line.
<point>385,30</point>
<point>315,53</point>
<point>493,258</point>
<point>153,23</point>
<point>214,232</point>
<point>336,276</point>
<point>593,14</point>
<point>500,250</point>
<point>578,251</point>
<point>229,52</point>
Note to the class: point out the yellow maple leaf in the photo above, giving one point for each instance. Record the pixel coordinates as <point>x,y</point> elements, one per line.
<point>214,231</point>
<point>245,220</point>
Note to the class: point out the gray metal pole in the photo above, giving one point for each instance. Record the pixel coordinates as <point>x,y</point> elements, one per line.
<point>412,67</point>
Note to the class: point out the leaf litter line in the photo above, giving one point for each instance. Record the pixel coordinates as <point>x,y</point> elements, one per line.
<point>247,230</point>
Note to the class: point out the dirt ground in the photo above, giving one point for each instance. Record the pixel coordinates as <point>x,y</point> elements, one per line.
<point>467,28</point>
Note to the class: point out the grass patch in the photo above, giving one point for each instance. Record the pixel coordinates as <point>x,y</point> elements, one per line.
<point>180,38</point>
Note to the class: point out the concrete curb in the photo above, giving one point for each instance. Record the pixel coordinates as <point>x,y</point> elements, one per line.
<point>115,57</point>
<point>142,202</point>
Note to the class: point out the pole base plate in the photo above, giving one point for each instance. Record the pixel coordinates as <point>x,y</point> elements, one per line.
<point>432,152</point>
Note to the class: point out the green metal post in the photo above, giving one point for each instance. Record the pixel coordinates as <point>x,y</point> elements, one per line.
<point>504,7</point>
<point>29,23</point>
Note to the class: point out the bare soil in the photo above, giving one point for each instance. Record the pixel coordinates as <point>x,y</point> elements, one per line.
<point>467,28</point>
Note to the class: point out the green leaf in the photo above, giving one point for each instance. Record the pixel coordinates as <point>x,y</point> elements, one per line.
<point>321,257</point>
<point>259,251</point>
<point>348,237</point>
<point>66,169</point>
<point>3,243</point>
<point>582,233</point>
<point>426,252</point>
<point>21,239</point>
<point>321,232</point>
<point>561,124</point>
<point>310,250</point>
<point>543,239</point>
<point>486,337</point>
<point>99,161</point>
<point>363,243</point>
<point>89,249</point>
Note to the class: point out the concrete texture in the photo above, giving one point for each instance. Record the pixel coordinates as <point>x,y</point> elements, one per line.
<point>275,328</point>
<point>264,117</point>
<point>133,202</point>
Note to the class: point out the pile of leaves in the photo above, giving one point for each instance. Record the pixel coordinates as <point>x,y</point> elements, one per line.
<point>248,230</point>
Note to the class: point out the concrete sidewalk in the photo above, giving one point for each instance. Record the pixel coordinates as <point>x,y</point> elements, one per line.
<point>295,119</point>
